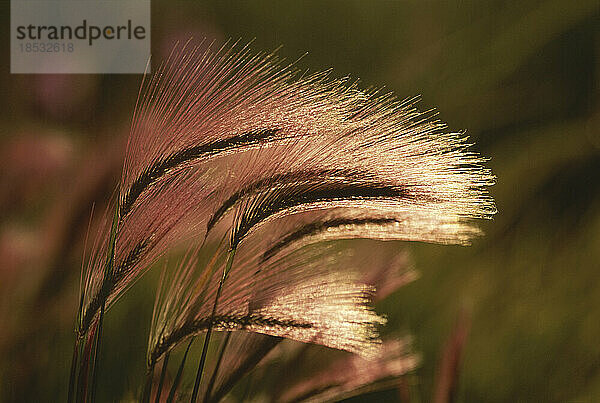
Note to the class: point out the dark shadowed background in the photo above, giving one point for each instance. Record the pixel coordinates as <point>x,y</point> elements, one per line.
<point>520,77</point>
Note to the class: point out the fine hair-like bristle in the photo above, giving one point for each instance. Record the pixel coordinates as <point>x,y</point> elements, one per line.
<point>216,130</point>
<point>299,296</point>
<point>253,163</point>
<point>351,376</point>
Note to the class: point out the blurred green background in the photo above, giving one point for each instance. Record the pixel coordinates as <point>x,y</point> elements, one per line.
<point>520,77</point>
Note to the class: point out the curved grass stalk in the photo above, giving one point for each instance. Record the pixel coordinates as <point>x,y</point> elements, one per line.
<point>213,377</point>
<point>177,379</point>
<point>148,385</point>
<point>163,373</point>
<point>199,373</point>
<point>254,355</point>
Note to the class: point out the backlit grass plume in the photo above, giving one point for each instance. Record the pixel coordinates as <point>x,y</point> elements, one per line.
<point>351,376</point>
<point>241,153</point>
<point>301,296</point>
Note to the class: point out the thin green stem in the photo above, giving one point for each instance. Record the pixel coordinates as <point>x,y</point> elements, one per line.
<point>97,355</point>
<point>244,368</point>
<point>73,374</point>
<point>91,350</point>
<point>177,379</point>
<point>228,266</point>
<point>213,378</point>
<point>163,373</point>
<point>148,384</point>
<point>75,358</point>
<point>82,379</point>
<point>108,269</point>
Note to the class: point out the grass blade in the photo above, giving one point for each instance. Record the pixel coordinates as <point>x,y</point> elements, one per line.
<point>179,374</point>
<point>73,373</point>
<point>148,385</point>
<point>209,330</point>
<point>244,368</point>
<point>163,372</point>
<point>82,380</point>
<point>213,378</point>
<point>97,355</point>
